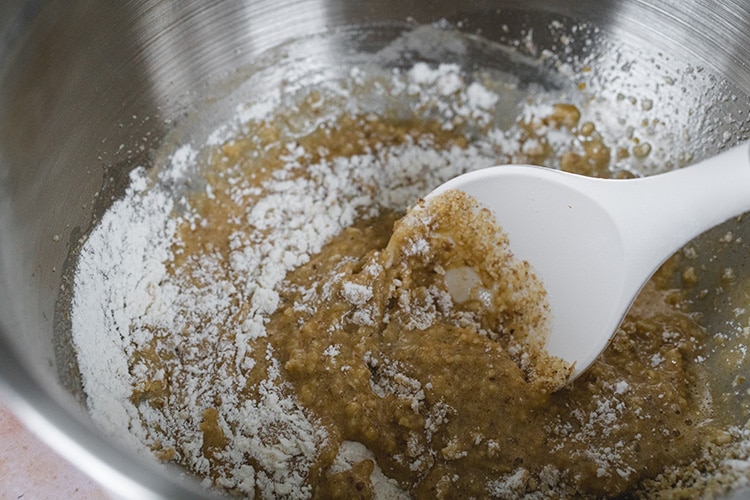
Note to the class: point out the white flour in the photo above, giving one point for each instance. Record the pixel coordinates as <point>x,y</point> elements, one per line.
<point>121,263</point>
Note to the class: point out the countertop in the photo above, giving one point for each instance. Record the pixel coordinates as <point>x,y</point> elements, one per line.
<point>30,470</point>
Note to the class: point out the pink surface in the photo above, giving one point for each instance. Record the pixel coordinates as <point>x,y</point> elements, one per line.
<point>30,470</point>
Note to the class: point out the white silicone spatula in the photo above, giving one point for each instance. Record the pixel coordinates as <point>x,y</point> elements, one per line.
<point>595,242</point>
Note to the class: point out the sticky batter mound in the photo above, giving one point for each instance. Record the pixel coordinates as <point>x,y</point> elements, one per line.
<point>293,331</point>
<point>433,344</point>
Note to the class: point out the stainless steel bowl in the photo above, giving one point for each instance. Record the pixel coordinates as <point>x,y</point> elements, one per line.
<point>90,90</point>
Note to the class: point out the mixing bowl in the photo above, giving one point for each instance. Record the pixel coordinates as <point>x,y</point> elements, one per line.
<point>91,90</point>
